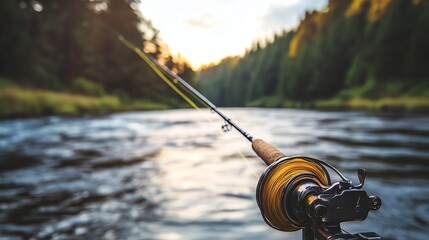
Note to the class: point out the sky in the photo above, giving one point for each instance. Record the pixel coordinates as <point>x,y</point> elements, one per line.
<point>205,31</point>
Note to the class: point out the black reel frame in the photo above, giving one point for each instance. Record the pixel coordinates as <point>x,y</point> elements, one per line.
<point>319,210</point>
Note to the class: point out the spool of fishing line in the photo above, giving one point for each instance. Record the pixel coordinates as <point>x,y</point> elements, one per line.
<point>276,184</point>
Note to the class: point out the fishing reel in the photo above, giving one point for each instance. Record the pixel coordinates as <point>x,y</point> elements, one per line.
<point>296,193</point>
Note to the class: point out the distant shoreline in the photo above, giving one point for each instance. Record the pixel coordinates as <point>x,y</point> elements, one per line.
<point>403,104</point>
<point>17,102</point>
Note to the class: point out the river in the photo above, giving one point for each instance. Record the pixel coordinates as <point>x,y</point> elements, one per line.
<point>175,175</point>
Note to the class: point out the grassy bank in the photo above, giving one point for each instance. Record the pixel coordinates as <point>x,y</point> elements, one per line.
<point>16,101</point>
<point>400,104</point>
<point>387,104</point>
<point>23,102</point>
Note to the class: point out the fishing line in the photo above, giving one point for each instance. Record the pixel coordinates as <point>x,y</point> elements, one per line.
<point>243,157</point>
<point>156,70</point>
<point>271,187</point>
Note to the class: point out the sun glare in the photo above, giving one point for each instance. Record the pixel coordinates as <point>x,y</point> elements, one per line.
<point>204,32</point>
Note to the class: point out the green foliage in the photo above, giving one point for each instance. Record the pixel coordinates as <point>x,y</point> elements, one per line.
<point>84,86</point>
<point>356,49</point>
<point>420,89</point>
<point>41,77</point>
<point>5,82</point>
<point>65,43</point>
<point>141,104</point>
<point>19,102</point>
<point>357,73</point>
<point>406,104</point>
<point>271,102</point>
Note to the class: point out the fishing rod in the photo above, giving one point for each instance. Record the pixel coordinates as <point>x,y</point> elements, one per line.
<point>178,80</point>
<point>296,192</point>
<point>293,193</point>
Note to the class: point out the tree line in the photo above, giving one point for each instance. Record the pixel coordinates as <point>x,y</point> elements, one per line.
<point>66,46</point>
<point>352,49</point>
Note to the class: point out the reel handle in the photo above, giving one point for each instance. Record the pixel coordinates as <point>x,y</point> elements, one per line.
<point>266,152</point>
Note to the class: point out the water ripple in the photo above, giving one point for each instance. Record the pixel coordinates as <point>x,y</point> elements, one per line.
<point>175,175</point>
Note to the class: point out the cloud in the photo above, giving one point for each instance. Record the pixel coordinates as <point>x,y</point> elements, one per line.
<point>205,21</point>
<point>281,17</point>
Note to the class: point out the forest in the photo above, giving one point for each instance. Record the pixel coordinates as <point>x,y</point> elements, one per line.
<point>63,57</point>
<point>353,54</point>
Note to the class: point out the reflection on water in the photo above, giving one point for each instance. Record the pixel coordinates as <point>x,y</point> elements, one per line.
<point>175,175</point>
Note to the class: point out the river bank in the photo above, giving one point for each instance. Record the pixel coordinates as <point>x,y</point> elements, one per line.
<point>403,104</point>
<point>18,102</point>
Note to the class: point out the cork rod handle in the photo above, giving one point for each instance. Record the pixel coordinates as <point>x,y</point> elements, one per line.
<point>265,151</point>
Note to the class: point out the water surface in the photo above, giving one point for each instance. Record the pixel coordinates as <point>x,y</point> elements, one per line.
<point>176,175</point>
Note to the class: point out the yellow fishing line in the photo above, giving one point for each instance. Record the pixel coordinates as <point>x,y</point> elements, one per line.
<point>274,185</point>
<point>248,164</point>
<point>157,71</point>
